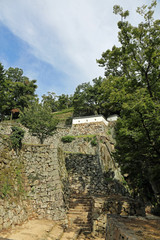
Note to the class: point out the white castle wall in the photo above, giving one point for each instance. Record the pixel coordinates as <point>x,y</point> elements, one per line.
<point>91,119</point>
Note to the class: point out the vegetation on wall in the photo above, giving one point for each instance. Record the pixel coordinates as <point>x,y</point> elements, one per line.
<point>16,137</point>
<point>88,138</point>
<point>67,139</point>
<point>12,181</point>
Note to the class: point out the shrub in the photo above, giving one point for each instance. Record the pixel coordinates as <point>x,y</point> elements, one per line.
<point>94,141</point>
<point>67,139</point>
<point>16,137</point>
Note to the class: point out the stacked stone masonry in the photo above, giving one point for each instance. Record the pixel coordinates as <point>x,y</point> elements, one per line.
<point>43,174</point>
<point>113,204</point>
<point>90,128</point>
<point>13,213</point>
<point>117,230</point>
<point>56,171</point>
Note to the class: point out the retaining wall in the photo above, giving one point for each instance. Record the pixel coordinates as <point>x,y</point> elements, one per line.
<point>13,213</point>
<point>44,180</point>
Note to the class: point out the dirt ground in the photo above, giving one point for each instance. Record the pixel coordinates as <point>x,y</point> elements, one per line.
<point>144,228</point>
<point>31,230</point>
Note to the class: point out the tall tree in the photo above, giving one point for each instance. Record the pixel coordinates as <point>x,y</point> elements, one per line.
<point>86,99</point>
<point>50,100</point>
<point>22,90</point>
<point>138,57</point>
<point>64,101</point>
<point>16,90</point>
<point>3,92</point>
<point>132,87</point>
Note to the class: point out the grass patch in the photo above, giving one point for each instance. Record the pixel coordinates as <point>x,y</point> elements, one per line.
<point>78,153</point>
<point>68,110</point>
<point>89,138</point>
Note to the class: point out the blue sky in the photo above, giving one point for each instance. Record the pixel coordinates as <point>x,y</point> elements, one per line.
<point>57,42</point>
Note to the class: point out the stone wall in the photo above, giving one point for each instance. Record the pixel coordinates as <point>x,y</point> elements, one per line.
<point>5,128</point>
<point>15,208</point>
<point>52,175</point>
<point>13,213</point>
<point>90,128</point>
<point>116,230</point>
<point>114,204</point>
<point>103,149</point>
<point>85,174</point>
<point>108,164</point>
<point>133,227</point>
<point>44,181</point>
<point>79,145</point>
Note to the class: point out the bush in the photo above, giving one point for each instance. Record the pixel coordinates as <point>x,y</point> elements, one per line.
<point>67,139</point>
<point>16,137</point>
<point>94,142</point>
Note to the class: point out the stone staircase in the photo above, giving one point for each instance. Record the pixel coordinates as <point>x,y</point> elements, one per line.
<point>80,211</point>
<point>79,220</point>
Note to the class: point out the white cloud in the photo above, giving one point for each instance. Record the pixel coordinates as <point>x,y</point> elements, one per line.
<point>68,34</point>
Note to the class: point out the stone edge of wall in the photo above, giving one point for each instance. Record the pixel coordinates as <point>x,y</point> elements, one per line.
<point>117,230</point>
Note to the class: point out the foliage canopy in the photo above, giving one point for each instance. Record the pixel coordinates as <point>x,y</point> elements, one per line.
<point>16,90</point>
<point>132,88</point>
<point>39,120</point>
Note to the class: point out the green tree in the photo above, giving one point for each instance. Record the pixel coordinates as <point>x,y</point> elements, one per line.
<point>86,99</point>
<point>132,89</point>
<point>137,144</point>
<point>39,119</point>
<point>16,90</point>
<point>50,100</point>
<point>138,57</point>
<point>21,89</point>
<point>3,92</point>
<point>64,101</point>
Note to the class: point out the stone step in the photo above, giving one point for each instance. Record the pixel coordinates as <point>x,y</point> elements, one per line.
<point>79,210</point>
<point>82,225</point>
<point>76,219</point>
<point>78,216</point>
<point>75,203</point>
<point>80,199</point>
<point>70,234</point>
<point>80,203</point>
<point>79,221</point>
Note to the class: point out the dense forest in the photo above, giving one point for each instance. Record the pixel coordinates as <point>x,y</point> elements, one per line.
<point>130,88</point>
